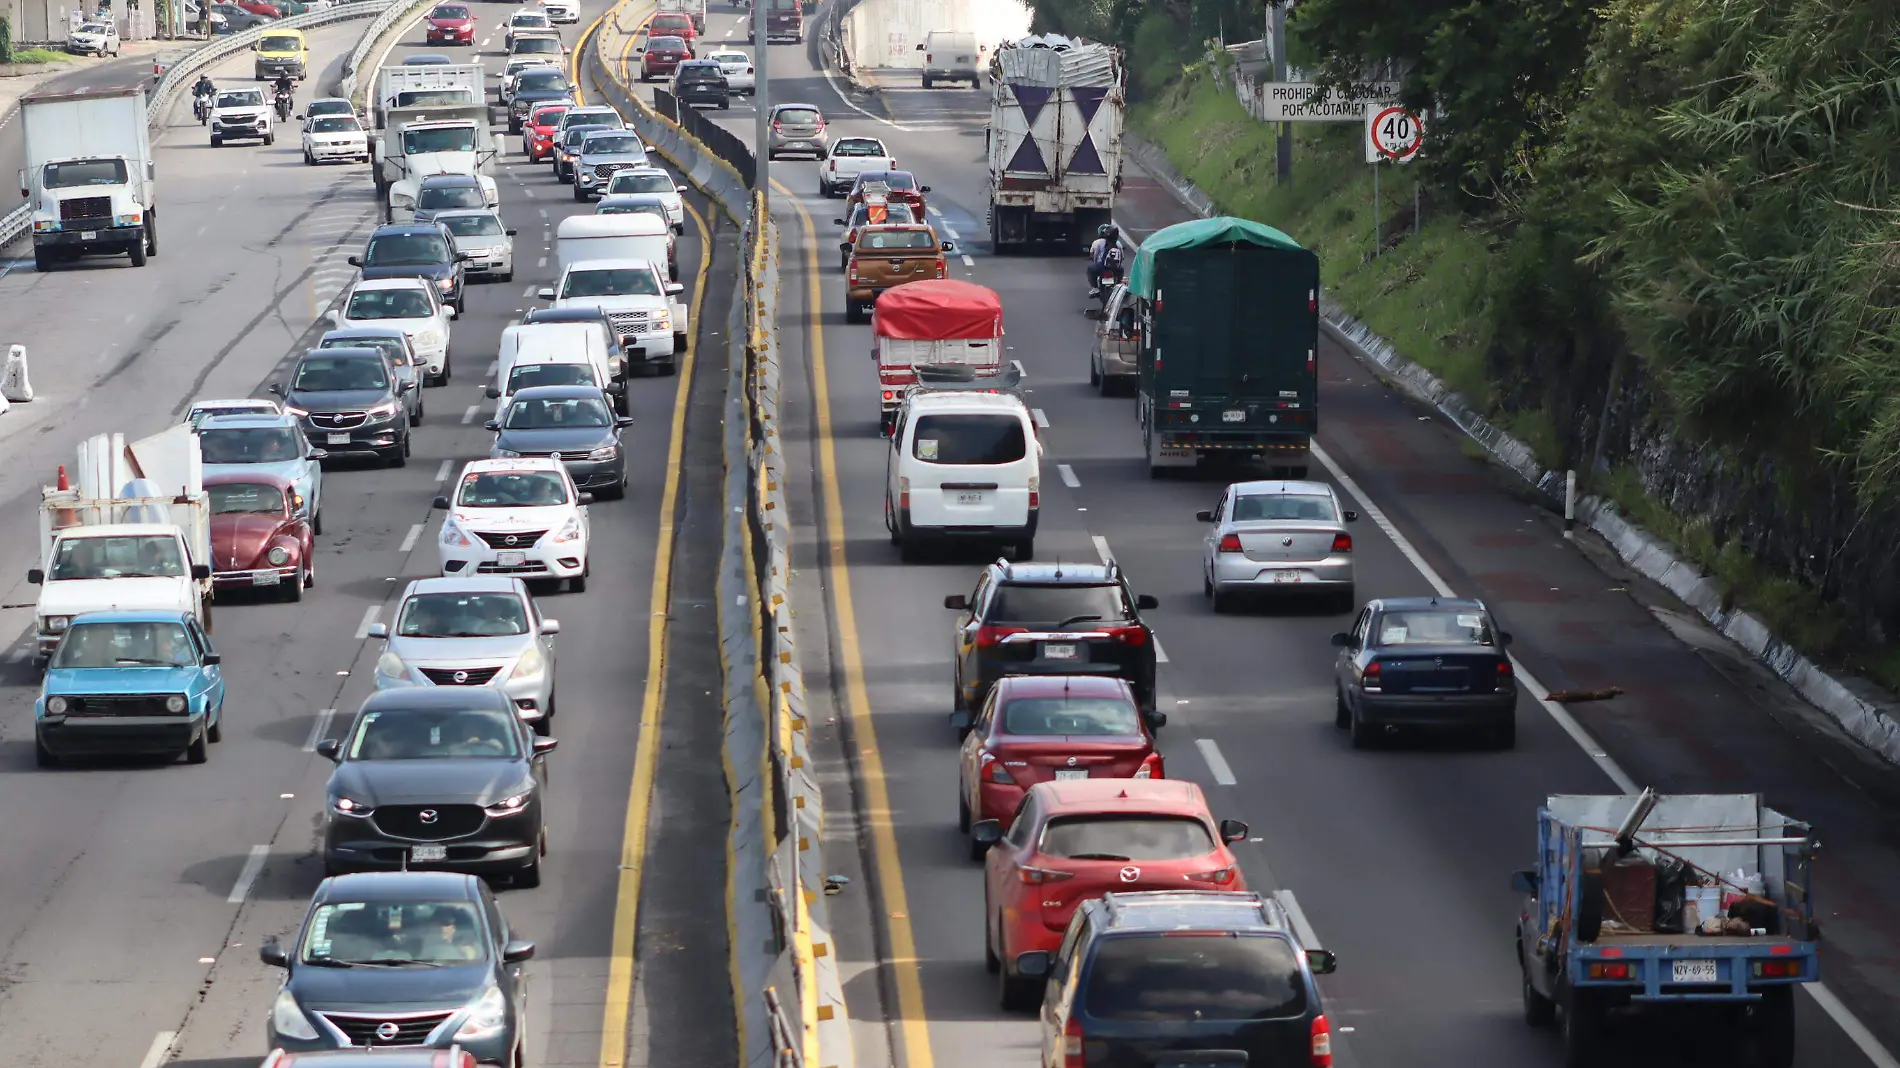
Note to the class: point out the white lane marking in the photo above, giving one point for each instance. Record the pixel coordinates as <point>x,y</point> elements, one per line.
<point>954,236</point>
<point>493,366</point>
<point>469,415</point>
<point>543,262</point>
<point>1101,548</point>
<point>1021,372</point>
<point>529,292</point>
<point>1068,476</point>
<point>247,876</point>
<point>1297,916</point>
<point>319,730</point>
<point>369,620</point>
<point>846,101</point>
<point>1161,655</point>
<point>409,539</point>
<point>967,261</point>
<point>442,473</point>
<point>1042,421</point>
<point>528,189</point>
<point>161,1045</point>
<point>1216,763</point>
<point>485,41</point>
<point>1856,1031</point>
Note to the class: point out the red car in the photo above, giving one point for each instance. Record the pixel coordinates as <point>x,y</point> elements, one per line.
<point>662,54</point>
<point>258,7</point>
<point>1049,728</point>
<point>257,541</point>
<point>1074,841</point>
<point>673,24</point>
<point>451,24</point>
<point>537,134</point>
<point>900,187</point>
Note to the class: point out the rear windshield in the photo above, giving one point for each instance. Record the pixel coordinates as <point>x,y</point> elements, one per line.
<point>799,116</point>
<point>1433,627</point>
<point>969,439</point>
<point>894,240</point>
<point>1126,838</point>
<point>1053,604</point>
<point>1284,506</point>
<point>1070,715</point>
<point>635,182</point>
<point>1156,977</point>
<point>530,46</point>
<point>474,226</point>
<point>667,44</point>
<point>391,347</point>
<point>857,146</point>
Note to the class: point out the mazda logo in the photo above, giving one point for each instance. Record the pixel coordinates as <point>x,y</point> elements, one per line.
<point>387,1030</point>
<point>1130,874</point>
<point>460,676</point>
<point>428,815</point>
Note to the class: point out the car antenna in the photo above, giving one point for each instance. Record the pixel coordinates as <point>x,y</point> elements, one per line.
<point>1058,567</point>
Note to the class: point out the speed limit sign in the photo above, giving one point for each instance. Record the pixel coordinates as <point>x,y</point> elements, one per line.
<point>1392,133</point>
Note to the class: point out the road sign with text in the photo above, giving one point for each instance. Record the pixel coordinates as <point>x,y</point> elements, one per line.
<point>1393,133</point>
<point>1311,102</point>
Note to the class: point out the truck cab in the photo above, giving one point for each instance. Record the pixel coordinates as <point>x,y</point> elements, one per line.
<point>451,144</point>
<point>110,567</point>
<point>89,176</point>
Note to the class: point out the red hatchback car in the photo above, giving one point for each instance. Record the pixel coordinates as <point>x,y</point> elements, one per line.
<point>257,541</point>
<point>897,187</point>
<point>661,55</point>
<point>1050,728</point>
<point>1075,841</point>
<point>537,134</point>
<point>673,24</point>
<point>451,24</point>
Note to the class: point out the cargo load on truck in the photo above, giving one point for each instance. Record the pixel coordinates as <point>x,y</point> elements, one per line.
<point>936,322</point>
<point>1055,140</point>
<point>1227,321</point>
<point>695,9</point>
<point>88,176</point>
<point>1694,907</point>
<point>427,85</point>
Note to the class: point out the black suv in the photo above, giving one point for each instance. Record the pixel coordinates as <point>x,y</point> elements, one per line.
<point>700,81</point>
<point>1051,619</point>
<point>416,250</point>
<point>437,777</point>
<point>350,400</point>
<point>1142,993</point>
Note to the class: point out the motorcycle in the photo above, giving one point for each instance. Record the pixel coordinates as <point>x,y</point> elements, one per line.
<point>1107,277</point>
<point>201,107</point>
<point>284,104</point>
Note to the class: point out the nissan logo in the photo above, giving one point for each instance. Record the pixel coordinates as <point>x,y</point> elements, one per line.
<point>460,676</point>
<point>428,815</point>
<point>1072,762</point>
<point>387,1030</point>
<point>1130,874</point>
<point>1439,660</point>
<point>509,540</point>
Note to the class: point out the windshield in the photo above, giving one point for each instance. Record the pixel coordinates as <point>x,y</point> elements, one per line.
<point>969,439</point>
<point>641,183</point>
<point>388,304</point>
<point>280,43</point>
<point>333,124</point>
<point>544,413</point>
<point>99,27</point>
<point>1433,627</point>
<point>574,135</point>
<point>241,98</point>
<point>857,146</point>
<point>1248,977</point>
<point>127,556</point>
<point>436,733</point>
<point>1126,837</point>
<point>328,107</point>
<point>449,196</point>
<point>1284,506</point>
<point>394,933</point>
<point>614,282</point>
<point>474,226</point>
<point>550,374</point>
<point>406,250</point>
<point>85,172</point>
<point>250,445</point>
<point>1070,715</point>
<point>317,374</point>
<point>104,645</point>
<point>637,207</point>
<point>700,74</point>
<point>535,46</point>
<point>1050,605</point>
<point>898,180</point>
<point>536,79</point>
<point>390,347</point>
<point>235,498</point>
<point>513,489</point>
<point>439,139</point>
<point>449,11</point>
<point>462,615</point>
<point>897,241</point>
<point>614,142</point>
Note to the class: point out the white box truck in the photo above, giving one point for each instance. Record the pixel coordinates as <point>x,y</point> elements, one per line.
<point>89,176</point>
<point>1055,140</point>
<point>448,85</point>
<point>696,9</point>
<point>420,142</point>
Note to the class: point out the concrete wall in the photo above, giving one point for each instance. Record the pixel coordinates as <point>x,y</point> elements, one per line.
<point>886,33</point>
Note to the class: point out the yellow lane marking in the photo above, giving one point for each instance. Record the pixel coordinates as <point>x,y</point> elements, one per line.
<point>574,63</point>
<point>890,873</point>
<point>633,848</point>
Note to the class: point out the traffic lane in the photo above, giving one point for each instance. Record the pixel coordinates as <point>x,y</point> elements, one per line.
<point>92,74</point>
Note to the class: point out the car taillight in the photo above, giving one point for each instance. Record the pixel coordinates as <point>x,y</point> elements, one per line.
<point>748,70</point>
<point>1617,970</point>
<point>940,268</point>
<point>987,636</point>
<point>1150,768</point>
<point>997,772</point>
<point>1035,491</point>
<point>1038,876</point>
<point>890,395</point>
<point>853,271</point>
<point>1776,969</point>
<point>1373,677</point>
<point>1219,876</point>
<point>1072,1044</point>
<point>1342,542</point>
<point>928,57</point>
<point>1322,1036</point>
<point>903,493</point>
<point>1504,669</point>
<point>775,125</point>
<point>1230,543</point>
<point>1129,635</point>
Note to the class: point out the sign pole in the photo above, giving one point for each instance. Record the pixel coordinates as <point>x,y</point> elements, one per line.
<point>1283,170</point>
<point>1416,203</point>
<point>1375,210</point>
<point>762,103</point>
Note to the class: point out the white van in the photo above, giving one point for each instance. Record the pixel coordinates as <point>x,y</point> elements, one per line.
<point>963,464</point>
<point>529,346</point>
<point>951,56</point>
<point>630,236</point>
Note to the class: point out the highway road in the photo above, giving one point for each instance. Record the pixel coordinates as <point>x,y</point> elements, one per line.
<point>1398,860</point>
<point>134,896</point>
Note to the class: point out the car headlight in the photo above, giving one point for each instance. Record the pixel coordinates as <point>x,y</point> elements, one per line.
<point>384,410</point>
<point>511,805</point>
<point>664,320</point>
<point>176,703</point>
<point>347,806</point>
<point>445,284</point>
<point>531,663</point>
<point>571,531</point>
<point>56,624</point>
<point>391,665</point>
<point>452,535</point>
<point>487,1015</point>
<point>56,706</point>
<point>278,556</point>
<point>428,339</point>
<point>402,200</point>
<point>605,452</point>
<point>288,1020</point>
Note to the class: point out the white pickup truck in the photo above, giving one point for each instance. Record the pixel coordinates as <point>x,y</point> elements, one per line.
<point>849,157</point>
<point>641,304</point>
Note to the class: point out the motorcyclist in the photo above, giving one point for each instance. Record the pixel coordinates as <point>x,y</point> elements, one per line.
<point>202,93</point>
<point>1106,237</point>
<point>285,86</point>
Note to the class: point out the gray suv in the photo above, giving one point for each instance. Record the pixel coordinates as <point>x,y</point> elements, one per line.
<point>797,129</point>
<point>602,154</point>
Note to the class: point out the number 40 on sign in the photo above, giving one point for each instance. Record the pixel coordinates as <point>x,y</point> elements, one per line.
<point>1392,134</point>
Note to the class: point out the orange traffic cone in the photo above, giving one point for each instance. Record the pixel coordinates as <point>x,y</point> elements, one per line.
<point>65,517</point>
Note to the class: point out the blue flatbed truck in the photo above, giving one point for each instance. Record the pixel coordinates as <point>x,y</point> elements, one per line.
<point>1588,962</point>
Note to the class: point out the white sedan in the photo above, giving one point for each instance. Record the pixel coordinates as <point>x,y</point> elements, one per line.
<point>329,137</point>
<point>489,245</point>
<point>518,516</point>
<point>412,305</point>
<point>737,67</point>
<point>657,182</point>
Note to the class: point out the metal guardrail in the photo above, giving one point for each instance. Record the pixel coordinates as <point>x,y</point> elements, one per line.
<point>723,142</point>
<point>15,223</point>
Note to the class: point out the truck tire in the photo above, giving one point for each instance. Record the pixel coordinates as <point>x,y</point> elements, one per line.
<point>42,260</point>
<point>1582,1024</point>
<point>151,232</point>
<point>1589,906</point>
<point>1771,1029</point>
<point>138,251</point>
<point>1539,1011</point>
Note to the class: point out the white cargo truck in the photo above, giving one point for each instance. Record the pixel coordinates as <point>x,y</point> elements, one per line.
<point>1055,140</point>
<point>420,142</point>
<point>89,176</point>
<point>427,85</point>
<point>696,9</point>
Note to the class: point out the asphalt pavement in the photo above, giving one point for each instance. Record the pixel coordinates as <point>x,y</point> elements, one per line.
<point>134,895</point>
<point>1399,860</point>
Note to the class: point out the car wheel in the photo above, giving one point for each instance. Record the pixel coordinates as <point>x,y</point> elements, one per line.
<point>1025,550</point>
<point>198,752</point>
<point>529,877</point>
<point>42,756</point>
<point>316,522</point>
<point>398,457</point>
<point>309,573</point>
<point>1095,376</point>
<point>1342,716</point>
<point>1014,993</point>
<point>1364,735</point>
<point>1539,1011</point>
<point>991,962</point>
<point>907,548</point>
<point>215,731</point>
<point>1223,602</point>
<point>890,522</point>
<point>578,584</point>
<point>270,138</point>
<point>963,811</point>
<point>978,851</point>
<point>415,417</point>
<point>295,591</point>
<point>579,193</point>
<point>308,159</point>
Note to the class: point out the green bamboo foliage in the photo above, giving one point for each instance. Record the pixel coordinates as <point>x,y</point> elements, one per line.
<point>6,39</point>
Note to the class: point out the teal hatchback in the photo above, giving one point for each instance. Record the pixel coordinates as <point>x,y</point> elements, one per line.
<point>128,683</point>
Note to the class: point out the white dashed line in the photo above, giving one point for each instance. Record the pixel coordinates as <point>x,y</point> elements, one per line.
<point>160,1048</point>
<point>1068,476</point>
<point>247,876</point>
<point>954,236</point>
<point>469,415</point>
<point>542,262</point>
<point>968,262</point>
<point>409,539</point>
<point>1216,763</point>
<point>1161,655</point>
<point>485,41</point>
<point>319,730</point>
<point>493,366</point>
<point>528,189</point>
<point>544,212</point>
<point>442,473</point>
<point>1021,371</point>
<point>529,292</point>
<point>369,620</point>
<point>1042,421</point>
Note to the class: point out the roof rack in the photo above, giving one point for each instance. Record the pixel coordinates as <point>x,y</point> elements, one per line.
<point>941,377</point>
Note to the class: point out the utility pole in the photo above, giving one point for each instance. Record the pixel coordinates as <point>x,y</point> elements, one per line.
<point>1283,170</point>
<point>762,101</point>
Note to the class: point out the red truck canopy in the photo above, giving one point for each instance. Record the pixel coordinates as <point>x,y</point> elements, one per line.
<point>938,309</point>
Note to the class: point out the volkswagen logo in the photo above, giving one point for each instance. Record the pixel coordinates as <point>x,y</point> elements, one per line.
<point>1072,762</point>
<point>460,676</point>
<point>387,1030</point>
<point>554,456</point>
<point>428,815</point>
<point>509,540</point>
<point>1130,874</point>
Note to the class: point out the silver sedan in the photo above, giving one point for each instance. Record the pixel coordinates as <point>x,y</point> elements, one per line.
<point>472,631</point>
<point>1278,537</point>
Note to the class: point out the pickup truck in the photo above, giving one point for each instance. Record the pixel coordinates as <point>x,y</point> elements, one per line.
<point>1696,908</point>
<point>849,157</point>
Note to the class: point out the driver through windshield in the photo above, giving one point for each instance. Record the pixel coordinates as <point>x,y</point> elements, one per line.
<point>132,556</point>
<point>613,282</point>
<point>462,615</point>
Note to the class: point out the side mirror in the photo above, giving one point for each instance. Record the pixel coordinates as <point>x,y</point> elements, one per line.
<point>621,422</point>
<point>492,426</point>
<point>1034,964</point>
<point>949,246</point>
<point>453,314</point>
<point>460,256</point>
<point>377,630</point>
<point>35,576</point>
<point>1504,637</point>
<point>587,498</point>
<point>545,293</point>
<point>1322,961</point>
<point>957,602</point>
<point>333,316</point>
<point>961,721</point>
<point>674,289</point>
<point>640,51</point>
<point>492,393</point>
<point>1204,516</point>
<point>1524,882</point>
<point>405,386</point>
<point>510,233</point>
<point>680,189</point>
<point>1233,831</point>
<point>517,951</point>
<point>276,389</point>
<point>201,571</point>
<point>844,246</point>
<point>355,261</point>
<point>1351,516</point>
<point>1156,720</point>
<point>319,454</point>
<point>550,627</point>
<point>213,659</point>
<point>298,116</point>
<point>330,749</point>
<point>838,222</point>
<point>1342,640</point>
<point>923,189</point>
<point>618,389</point>
<point>986,832</point>
<point>1147,601</point>
<point>272,953</point>
<point>920,48</point>
<point>544,746</point>
<point>439,502</point>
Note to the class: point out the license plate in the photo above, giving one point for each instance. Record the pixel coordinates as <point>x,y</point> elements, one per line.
<point>1175,452</point>
<point>425,854</point>
<point>338,439</point>
<point>797,144</point>
<point>1058,651</point>
<point>266,578</point>
<point>1286,576</point>
<point>510,559</point>
<point>1071,773</point>
<point>1233,416</point>
<point>970,498</point>
<point>1692,971</point>
<point>89,235</point>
